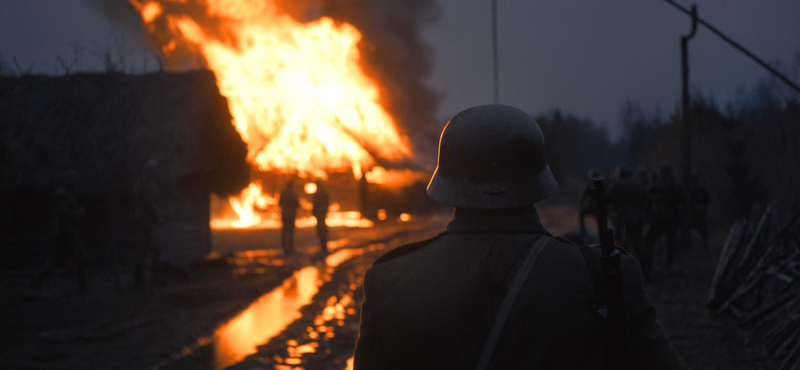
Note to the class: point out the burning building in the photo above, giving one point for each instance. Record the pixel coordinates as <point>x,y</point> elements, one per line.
<point>316,89</point>
<point>105,127</point>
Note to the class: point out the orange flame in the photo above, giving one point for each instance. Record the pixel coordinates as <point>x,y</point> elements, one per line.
<point>297,93</point>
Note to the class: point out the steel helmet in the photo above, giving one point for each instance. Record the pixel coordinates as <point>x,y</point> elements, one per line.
<point>491,156</point>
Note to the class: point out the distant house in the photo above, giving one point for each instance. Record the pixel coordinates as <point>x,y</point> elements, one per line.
<point>106,126</point>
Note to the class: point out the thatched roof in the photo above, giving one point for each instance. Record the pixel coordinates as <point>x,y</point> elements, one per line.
<point>106,126</point>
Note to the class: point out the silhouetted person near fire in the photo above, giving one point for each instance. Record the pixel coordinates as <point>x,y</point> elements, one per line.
<point>666,197</point>
<point>289,204</point>
<point>65,233</point>
<point>148,219</point>
<point>320,202</point>
<point>446,302</point>
<point>363,197</point>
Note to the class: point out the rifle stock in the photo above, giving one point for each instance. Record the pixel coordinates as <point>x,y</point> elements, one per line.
<point>612,278</point>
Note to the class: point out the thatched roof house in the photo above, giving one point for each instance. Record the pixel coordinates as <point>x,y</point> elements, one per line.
<point>106,126</point>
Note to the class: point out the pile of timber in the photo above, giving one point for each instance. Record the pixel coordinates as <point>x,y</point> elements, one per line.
<point>757,281</point>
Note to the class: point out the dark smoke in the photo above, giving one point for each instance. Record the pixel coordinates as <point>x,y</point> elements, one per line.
<point>392,49</point>
<point>396,55</point>
<point>119,12</point>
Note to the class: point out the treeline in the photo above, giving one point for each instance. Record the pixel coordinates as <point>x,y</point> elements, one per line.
<point>747,151</point>
<point>576,145</point>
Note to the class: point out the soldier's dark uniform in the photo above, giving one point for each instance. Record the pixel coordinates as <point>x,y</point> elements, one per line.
<point>699,198</point>
<point>320,202</point>
<point>587,202</point>
<point>66,233</point>
<point>430,305</point>
<point>627,197</point>
<point>666,197</point>
<point>288,203</point>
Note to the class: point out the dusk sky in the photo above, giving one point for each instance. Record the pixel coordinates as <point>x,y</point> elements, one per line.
<point>586,57</point>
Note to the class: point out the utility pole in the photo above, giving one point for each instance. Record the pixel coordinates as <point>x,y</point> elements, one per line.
<point>687,109</point>
<point>494,54</point>
<point>687,121</point>
<point>750,54</point>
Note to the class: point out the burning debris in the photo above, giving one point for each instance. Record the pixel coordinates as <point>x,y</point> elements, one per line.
<point>756,281</point>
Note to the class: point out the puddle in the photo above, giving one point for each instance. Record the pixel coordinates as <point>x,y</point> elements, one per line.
<point>325,339</point>
<point>265,318</point>
<point>272,313</point>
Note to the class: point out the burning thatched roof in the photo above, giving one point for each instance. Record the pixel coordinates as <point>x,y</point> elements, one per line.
<point>106,126</point>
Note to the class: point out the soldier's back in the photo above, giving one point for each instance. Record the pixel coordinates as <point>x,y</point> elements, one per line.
<point>436,301</point>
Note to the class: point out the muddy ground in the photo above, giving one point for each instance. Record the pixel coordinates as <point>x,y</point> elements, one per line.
<point>205,320</point>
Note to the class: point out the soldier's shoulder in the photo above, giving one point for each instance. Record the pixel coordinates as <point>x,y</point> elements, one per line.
<point>403,250</point>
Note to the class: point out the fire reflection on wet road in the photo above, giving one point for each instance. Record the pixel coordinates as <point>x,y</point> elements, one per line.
<point>265,318</point>
<point>271,313</point>
<point>297,301</point>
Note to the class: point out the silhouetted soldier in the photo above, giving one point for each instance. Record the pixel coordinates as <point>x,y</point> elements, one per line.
<point>148,219</point>
<point>288,203</point>
<point>363,197</point>
<point>447,302</point>
<point>321,202</point>
<point>666,197</point>
<point>587,203</point>
<point>627,197</point>
<point>66,232</point>
<point>699,199</point>
<point>643,176</point>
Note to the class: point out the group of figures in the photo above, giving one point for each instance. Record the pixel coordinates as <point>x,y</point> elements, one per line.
<point>650,209</point>
<point>69,219</point>
<point>289,203</point>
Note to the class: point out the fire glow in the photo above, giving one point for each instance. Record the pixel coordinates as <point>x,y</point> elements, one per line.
<point>297,92</point>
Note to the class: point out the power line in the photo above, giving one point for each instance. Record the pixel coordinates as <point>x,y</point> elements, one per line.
<point>496,67</point>
<point>738,46</point>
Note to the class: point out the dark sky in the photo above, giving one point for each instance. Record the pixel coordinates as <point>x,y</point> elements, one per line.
<point>587,57</point>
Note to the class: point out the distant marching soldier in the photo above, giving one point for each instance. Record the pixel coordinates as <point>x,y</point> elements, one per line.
<point>666,197</point>
<point>700,198</point>
<point>627,196</point>
<point>289,203</point>
<point>320,202</point>
<point>587,203</point>
<point>496,289</point>
<point>148,219</point>
<point>66,232</point>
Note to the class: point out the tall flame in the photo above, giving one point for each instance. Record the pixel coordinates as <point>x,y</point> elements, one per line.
<point>297,93</point>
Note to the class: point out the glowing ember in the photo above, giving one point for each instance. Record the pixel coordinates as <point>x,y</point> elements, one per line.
<point>296,91</point>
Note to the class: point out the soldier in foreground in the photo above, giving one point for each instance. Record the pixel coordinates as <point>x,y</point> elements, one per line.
<point>320,202</point>
<point>435,304</point>
<point>66,233</point>
<point>289,204</point>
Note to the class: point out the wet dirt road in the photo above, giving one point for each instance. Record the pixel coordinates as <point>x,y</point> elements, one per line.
<point>308,321</point>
